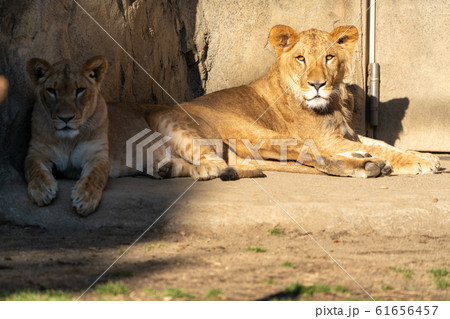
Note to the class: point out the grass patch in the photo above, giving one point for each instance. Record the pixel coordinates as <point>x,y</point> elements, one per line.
<point>111,288</point>
<point>123,252</point>
<point>276,231</point>
<point>177,293</point>
<point>7,258</point>
<point>150,291</point>
<point>270,281</point>
<point>440,276</point>
<point>386,287</point>
<point>256,249</point>
<point>214,294</point>
<point>409,288</point>
<point>407,273</point>
<point>46,295</point>
<point>341,289</point>
<point>306,291</point>
<point>288,264</point>
<point>153,246</point>
<point>442,283</point>
<point>438,273</point>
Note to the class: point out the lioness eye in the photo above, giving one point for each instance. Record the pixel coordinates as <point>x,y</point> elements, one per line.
<point>80,91</point>
<point>52,92</point>
<point>300,58</point>
<point>329,57</point>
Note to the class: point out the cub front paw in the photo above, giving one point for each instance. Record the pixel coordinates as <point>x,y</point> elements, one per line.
<point>42,192</point>
<point>85,197</point>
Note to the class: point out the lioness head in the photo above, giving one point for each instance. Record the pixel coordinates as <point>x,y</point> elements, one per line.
<point>67,92</point>
<point>313,63</point>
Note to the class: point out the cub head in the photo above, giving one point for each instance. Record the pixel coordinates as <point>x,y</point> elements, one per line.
<point>67,92</point>
<point>313,63</point>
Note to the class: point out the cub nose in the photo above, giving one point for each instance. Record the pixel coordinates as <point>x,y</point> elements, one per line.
<point>66,119</point>
<point>317,85</point>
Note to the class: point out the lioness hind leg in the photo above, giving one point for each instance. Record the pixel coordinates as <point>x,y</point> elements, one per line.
<point>210,167</point>
<point>206,170</point>
<point>354,166</point>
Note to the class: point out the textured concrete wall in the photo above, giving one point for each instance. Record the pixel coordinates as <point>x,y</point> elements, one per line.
<point>237,31</point>
<point>189,47</point>
<point>413,49</point>
<point>236,35</point>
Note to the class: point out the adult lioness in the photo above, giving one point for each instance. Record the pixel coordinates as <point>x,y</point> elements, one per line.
<point>301,99</point>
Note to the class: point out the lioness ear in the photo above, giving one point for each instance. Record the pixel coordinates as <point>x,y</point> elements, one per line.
<point>282,37</point>
<point>95,68</point>
<point>345,36</point>
<point>38,70</point>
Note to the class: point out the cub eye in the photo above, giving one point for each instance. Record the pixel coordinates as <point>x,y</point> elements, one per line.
<point>80,91</point>
<point>300,58</point>
<point>329,57</point>
<point>52,92</point>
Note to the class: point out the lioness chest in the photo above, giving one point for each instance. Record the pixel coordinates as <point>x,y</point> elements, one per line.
<point>69,160</point>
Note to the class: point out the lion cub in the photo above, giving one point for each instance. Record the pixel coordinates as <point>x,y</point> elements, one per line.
<point>69,132</point>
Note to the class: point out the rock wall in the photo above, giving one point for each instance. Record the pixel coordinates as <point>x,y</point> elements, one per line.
<point>189,47</point>
<point>154,33</point>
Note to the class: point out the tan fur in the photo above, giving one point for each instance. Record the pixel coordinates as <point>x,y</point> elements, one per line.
<point>302,98</point>
<point>3,88</point>
<point>69,132</point>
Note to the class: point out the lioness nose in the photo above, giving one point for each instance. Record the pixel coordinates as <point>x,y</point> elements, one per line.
<point>317,85</point>
<point>66,119</point>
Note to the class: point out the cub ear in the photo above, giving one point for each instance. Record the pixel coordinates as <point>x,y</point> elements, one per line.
<point>282,37</point>
<point>38,70</point>
<point>95,68</point>
<point>345,36</point>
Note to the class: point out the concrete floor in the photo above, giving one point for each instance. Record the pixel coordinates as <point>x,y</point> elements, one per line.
<point>395,205</point>
<point>373,227</point>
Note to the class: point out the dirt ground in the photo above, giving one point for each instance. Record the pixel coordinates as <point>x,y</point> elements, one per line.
<point>234,240</point>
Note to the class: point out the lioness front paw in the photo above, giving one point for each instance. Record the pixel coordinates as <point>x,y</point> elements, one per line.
<point>85,197</point>
<point>377,167</point>
<point>42,192</point>
<point>418,163</point>
<point>363,164</point>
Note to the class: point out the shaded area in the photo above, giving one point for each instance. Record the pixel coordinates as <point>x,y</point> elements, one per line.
<point>157,34</point>
<point>391,114</point>
<point>203,241</point>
